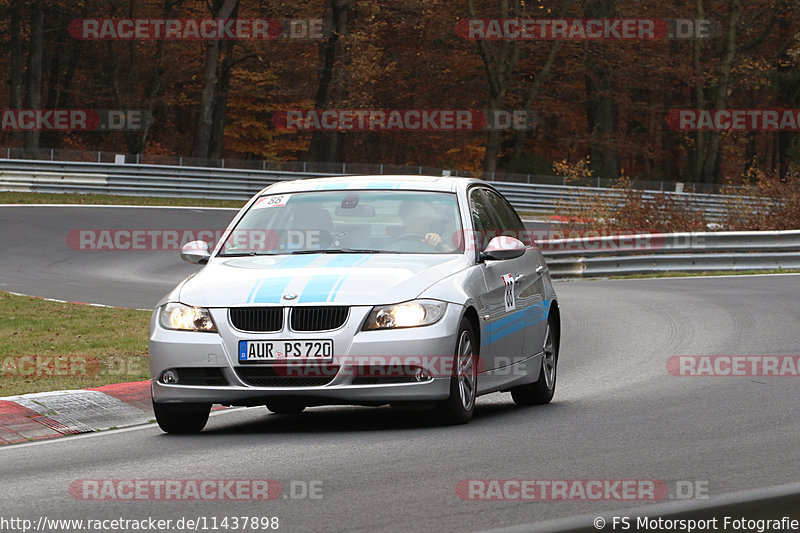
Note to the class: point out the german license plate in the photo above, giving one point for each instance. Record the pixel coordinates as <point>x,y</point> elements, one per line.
<point>285,350</point>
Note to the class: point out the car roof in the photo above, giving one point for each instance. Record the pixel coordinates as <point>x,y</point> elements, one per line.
<point>386,182</point>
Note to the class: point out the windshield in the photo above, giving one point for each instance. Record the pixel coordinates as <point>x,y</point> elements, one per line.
<point>380,221</point>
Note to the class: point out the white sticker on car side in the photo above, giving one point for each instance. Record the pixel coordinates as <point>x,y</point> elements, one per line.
<point>509,300</point>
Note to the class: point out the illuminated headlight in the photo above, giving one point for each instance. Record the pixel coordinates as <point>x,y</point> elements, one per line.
<point>184,317</point>
<point>405,315</point>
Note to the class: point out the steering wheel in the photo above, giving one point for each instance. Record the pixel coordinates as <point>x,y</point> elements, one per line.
<point>417,238</point>
<point>410,236</point>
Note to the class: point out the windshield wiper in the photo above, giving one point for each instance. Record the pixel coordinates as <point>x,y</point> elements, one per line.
<point>328,251</point>
<point>344,251</point>
<point>242,254</point>
<point>366,251</point>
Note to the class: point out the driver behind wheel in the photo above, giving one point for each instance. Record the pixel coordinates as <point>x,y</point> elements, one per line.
<point>419,219</point>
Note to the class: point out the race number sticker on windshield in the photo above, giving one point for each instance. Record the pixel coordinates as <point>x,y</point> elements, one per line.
<point>276,200</point>
<point>508,281</point>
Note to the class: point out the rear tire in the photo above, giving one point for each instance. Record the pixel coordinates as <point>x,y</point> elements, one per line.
<point>181,418</point>
<point>459,406</point>
<point>542,391</point>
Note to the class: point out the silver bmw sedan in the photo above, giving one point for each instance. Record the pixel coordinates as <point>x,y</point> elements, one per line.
<point>418,292</point>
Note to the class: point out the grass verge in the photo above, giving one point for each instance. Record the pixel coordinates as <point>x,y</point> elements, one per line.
<point>47,346</point>
<point>110,199</point>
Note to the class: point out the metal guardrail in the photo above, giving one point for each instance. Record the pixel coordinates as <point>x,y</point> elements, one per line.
<point>598,256</point>
<point>681,252</point>
<point>539,197</point>
<point>138,180</point>
<point>239,184</point>
<point>61,154</point>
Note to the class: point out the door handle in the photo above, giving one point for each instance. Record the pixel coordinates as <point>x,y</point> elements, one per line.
<point>541,269</point>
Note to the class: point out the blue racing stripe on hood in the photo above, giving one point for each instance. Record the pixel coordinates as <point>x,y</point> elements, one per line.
<point>338,285</point>
<point>264,290</point>
<point>320,288</point>
<point>270,290</point>
<point>346,261</point>
<point>323,287</point>
<point>296,261</point>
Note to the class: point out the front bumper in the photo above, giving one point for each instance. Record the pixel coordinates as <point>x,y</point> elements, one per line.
<point>171,349</point>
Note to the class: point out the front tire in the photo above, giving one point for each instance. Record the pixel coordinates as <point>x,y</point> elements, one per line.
<point>459,406</point>
<point>285,407</point>
<point>182,418</point>
<point>542,391</point>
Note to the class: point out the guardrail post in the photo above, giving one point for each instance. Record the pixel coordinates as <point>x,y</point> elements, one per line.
<point>51,154</point>
<point>99,156</point>
<point>344,166</point>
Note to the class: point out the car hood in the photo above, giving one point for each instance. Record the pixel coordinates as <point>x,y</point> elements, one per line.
<point>344,279</point>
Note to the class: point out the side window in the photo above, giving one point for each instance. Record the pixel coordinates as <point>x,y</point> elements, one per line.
<point>481,217</point>
<point>482,221</point>
<point>510,223</point>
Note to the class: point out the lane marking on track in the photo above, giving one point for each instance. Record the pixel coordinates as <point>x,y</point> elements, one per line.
<point>75,303</point>
<point>107,432</point>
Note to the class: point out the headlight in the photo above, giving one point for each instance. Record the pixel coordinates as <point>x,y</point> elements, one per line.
<point>184,317</point>
<point>405,315</point>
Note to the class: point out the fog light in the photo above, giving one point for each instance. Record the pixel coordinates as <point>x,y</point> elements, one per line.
<point>422,375</point>
<point>170,377</point>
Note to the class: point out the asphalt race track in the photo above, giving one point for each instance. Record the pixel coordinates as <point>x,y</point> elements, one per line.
<point>618,413</point>
<point>42,253</point>
<point>38,259</point>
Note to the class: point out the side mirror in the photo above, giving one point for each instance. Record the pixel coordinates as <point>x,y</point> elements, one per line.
<point>195,252</point>
<point>503,247</point>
